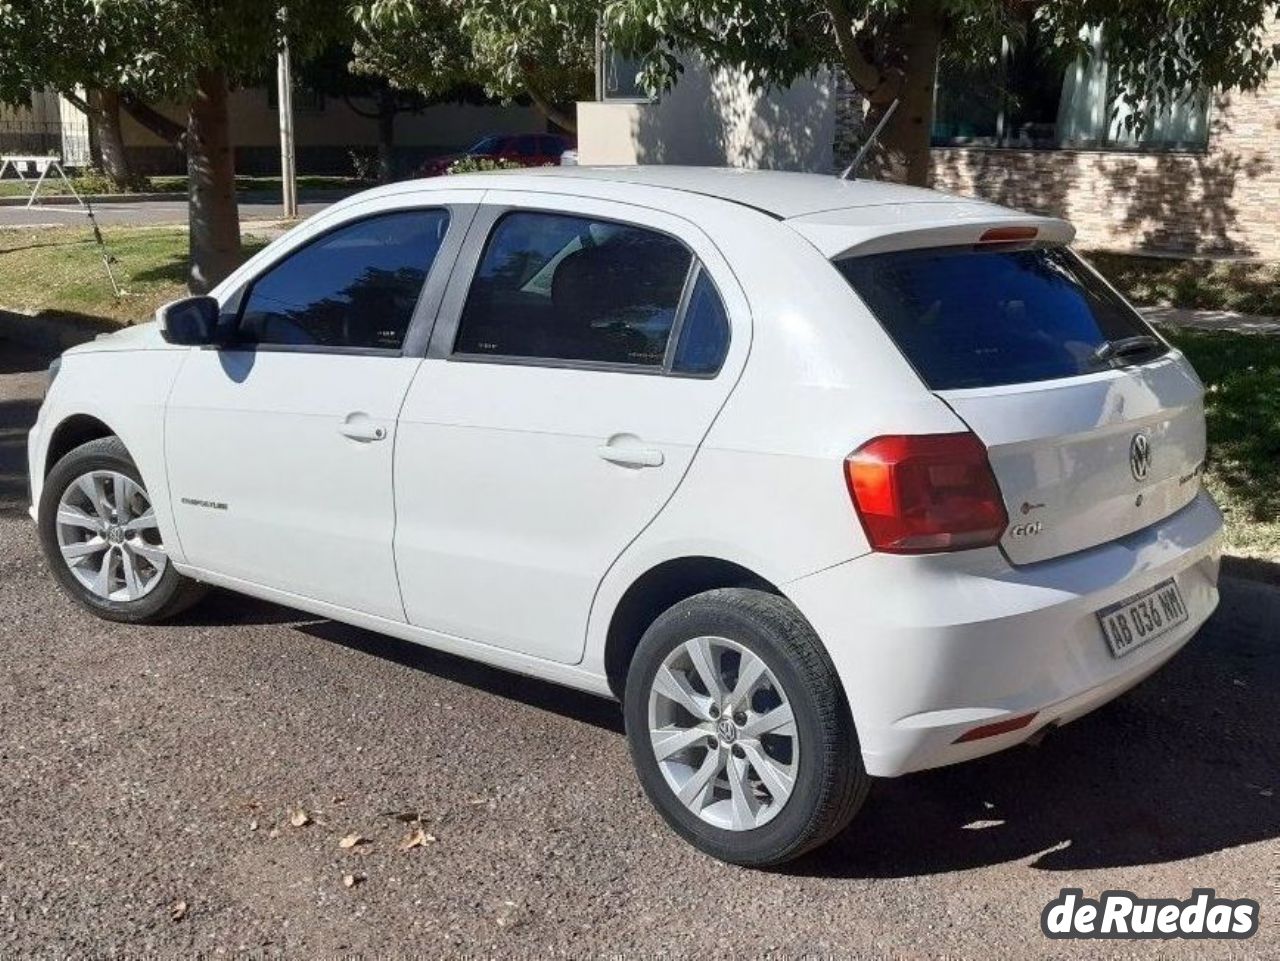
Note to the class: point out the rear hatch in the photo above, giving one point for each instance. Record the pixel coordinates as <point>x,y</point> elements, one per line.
<point>1093,424</point>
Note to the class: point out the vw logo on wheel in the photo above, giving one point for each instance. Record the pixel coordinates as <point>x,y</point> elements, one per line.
<point>727,730</point>
<point>1140,456</point>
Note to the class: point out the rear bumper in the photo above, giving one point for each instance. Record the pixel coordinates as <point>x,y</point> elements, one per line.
<point>933,646</point>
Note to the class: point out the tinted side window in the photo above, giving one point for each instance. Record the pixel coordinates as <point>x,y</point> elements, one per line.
<point>569,288</point>
<point>354,287</point>
<point>704,336</point>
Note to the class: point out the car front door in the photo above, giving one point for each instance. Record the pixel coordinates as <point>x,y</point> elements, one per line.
<point>279,445</point>
<point>580,357</point>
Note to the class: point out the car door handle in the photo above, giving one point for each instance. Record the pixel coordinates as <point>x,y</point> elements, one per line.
<point>360,427</point>
<point>630,456</point>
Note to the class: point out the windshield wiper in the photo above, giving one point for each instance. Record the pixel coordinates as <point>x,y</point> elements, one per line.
<point>1126,347</point>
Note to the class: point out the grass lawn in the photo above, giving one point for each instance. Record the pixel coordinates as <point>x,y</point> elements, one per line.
<point>14,188</point>
<point>1250,288</point>
<point>1241,373</point>
<point>60,271</point>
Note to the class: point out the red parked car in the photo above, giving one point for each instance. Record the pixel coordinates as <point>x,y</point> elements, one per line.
<point>526,149</point>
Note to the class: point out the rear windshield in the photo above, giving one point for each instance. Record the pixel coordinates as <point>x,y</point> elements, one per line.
<point>967,317</point>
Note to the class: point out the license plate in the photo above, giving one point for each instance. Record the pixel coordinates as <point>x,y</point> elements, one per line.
<point>1142,618</point>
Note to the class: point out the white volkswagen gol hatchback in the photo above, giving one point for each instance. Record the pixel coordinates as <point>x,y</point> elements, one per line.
<point>824,480</point>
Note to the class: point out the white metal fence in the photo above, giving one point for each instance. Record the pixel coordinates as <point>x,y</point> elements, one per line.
<point>70,141</point>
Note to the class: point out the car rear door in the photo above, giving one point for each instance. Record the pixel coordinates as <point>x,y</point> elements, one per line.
<point>1094,426</point>
<point>581,355</point>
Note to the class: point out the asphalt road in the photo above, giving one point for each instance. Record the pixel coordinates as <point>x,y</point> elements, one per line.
<point>141,212</point>
<point>147,768</point>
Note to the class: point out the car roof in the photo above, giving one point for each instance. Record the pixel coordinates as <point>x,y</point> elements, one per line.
<point>781,194</point>
<point>837,216</point>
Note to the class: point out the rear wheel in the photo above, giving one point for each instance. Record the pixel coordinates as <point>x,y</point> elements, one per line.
<point>101,539</point>
<point>739,728</point>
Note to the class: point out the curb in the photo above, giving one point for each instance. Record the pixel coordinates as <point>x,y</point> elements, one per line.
<point>49,332</point>
<point>62,200</point>
<point>320,196</point>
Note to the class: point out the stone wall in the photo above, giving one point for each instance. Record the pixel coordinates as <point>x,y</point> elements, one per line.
<point>1224,200</point>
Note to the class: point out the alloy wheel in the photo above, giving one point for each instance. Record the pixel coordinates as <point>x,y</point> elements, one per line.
<point>723,733</point>
<point>108,536</point>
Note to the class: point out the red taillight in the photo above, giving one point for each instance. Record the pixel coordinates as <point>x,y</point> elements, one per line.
<point>1009,235</point>
<point>917,494</point>
<point>996,729</point>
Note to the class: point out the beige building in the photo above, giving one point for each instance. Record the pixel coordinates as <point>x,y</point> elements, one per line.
<point>1203,177</point>
<point>327,129</point>
<point>50,125</point>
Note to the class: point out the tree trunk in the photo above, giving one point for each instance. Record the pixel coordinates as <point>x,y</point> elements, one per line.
<point>214,218</point>
<point>906,137</point>
<point>152,119</point>
<point>106,125</point>
<point>902,153</point>
<point>565,121</point>
<point>387,109</point>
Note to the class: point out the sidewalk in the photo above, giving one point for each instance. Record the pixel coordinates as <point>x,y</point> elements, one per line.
<point>1211,320</point>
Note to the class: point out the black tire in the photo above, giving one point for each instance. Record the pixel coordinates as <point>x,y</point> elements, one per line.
<point>830,782</point>
<point>172,594</point>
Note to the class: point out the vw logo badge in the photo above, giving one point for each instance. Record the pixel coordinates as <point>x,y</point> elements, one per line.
<point>727,730</point>
<point>1140,456</point>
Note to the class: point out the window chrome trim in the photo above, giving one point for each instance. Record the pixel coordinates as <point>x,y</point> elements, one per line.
<point>482,225</point>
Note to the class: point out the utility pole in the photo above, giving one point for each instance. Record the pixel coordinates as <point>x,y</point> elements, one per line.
<point>284,97</point>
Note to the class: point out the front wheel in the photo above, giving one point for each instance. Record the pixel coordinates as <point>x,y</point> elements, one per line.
<point>739,728</point>
<point>102,542</point>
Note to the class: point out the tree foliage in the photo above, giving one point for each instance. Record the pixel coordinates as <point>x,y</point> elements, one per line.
<point>152,48</point>
<point>1156,49</point>
<point>510,48</point>
<point>184,51</point>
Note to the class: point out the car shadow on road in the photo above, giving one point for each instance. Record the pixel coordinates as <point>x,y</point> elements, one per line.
<point>1184,765</point>
<point>578,705</point>
<point>16,417</point>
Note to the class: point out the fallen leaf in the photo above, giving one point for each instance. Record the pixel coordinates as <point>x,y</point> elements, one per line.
<point>416,840</point>
<point>408,817</point>
<point>299,818</point>
<point>178,910</point>
<point>508,914</point>
<point>351,880</point>
<point>351,840</point>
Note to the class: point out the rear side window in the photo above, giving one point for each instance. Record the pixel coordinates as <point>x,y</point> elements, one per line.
<point>559,287</point>
<point>356,286</point>
<point>704,335</point>
<point>967,317</point>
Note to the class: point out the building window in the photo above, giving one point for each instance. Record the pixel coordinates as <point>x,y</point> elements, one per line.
<point>617,76</point>
<point>1026,98</point>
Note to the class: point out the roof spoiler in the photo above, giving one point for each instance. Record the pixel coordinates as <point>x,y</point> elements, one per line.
<point>837,240</point>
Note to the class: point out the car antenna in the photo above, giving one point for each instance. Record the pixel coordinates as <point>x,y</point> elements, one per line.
<point>851,171</point>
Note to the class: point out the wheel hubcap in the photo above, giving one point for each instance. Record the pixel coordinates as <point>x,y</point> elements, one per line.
<point>108,536</point>
<point>723,733</point>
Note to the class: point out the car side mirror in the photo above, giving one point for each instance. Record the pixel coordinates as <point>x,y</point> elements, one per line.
<point>190,322</point>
